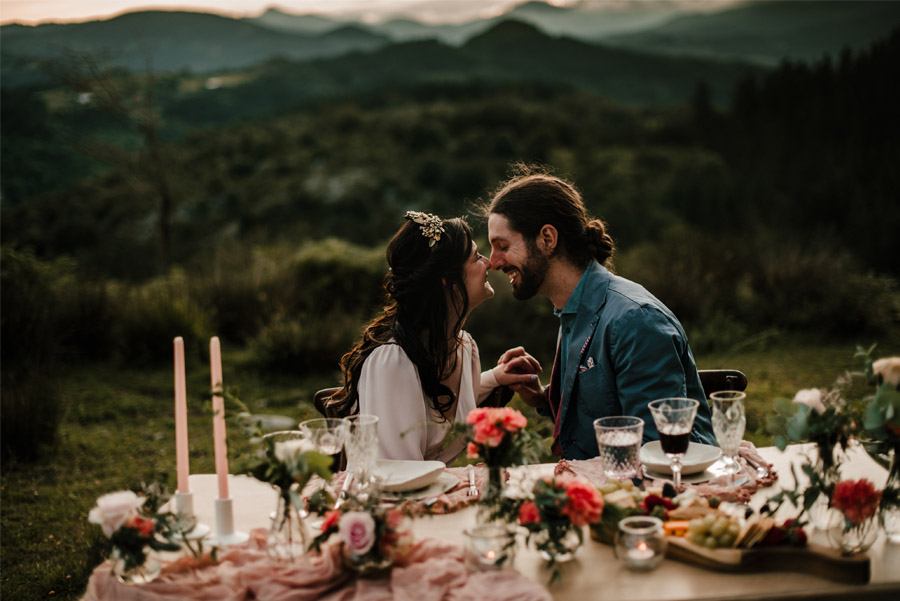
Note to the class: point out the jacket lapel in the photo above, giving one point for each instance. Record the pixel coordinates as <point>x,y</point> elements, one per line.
<point>593,298</point>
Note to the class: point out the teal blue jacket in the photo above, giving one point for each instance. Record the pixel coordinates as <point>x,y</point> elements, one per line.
<point>625,349</point>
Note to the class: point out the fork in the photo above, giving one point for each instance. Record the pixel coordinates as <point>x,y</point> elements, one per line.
<point>472,491</point>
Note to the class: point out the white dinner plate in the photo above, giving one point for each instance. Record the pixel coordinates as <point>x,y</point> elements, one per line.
<point>399,476</point>
<point>444,482</point>
<point>697,459</point>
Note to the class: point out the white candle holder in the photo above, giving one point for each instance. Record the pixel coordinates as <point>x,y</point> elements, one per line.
<point>225,535</point>
<point>184,508</point>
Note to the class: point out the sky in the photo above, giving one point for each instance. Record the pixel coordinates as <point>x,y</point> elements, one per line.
<point>434,11</point>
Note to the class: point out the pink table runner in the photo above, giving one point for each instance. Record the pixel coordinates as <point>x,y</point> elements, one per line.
<point>433,572</point>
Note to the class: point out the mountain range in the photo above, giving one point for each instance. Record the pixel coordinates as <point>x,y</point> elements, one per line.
<point>760,32</point>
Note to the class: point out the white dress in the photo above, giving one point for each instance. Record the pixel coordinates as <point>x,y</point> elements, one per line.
<point>408,427</point>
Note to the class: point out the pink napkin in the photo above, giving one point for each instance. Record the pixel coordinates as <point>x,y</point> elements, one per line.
<point>434,571</point>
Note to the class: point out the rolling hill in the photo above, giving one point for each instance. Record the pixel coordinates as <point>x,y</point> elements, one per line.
<point>767,32</point>
<point>173,41</point>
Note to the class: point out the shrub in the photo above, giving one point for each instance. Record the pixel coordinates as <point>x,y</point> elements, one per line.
<point>306,345</point>
<point>149,316</point>
<point>331,276</point>
<point>31,405</point>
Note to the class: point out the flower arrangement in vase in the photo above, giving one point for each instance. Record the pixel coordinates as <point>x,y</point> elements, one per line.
<point>498,437</point>
<point>553,510</point>
<point>288,462</point>
<point>134,528</point>
<point>834,418</point>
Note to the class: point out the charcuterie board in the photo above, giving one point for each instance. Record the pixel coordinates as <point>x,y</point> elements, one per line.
<point>817,560</point>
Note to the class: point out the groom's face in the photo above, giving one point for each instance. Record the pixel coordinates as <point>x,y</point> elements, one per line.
<point>524,265</point>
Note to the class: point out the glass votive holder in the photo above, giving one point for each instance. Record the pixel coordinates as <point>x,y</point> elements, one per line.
<point>489,547</point>
<point>640,542</point>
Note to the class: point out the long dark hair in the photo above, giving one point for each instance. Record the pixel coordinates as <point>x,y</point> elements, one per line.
<point>416,314</point>
<point>532,198</point>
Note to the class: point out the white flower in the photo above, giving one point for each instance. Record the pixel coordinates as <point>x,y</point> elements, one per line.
<point>357,530</point>
<point>288,451</point>
<point>889,370</point>
<point>520,484</point>
<point>812,398</point>
<point>114,509</point>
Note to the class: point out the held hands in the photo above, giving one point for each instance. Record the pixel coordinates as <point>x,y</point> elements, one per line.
<point>519,370</point>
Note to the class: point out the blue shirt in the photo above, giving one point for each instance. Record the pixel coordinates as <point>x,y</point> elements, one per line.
<point>566,317</point>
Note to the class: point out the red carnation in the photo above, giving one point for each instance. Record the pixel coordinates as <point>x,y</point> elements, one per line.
<point>857,499</point>
<point>529,514</point>
<point>331,520</point>
<point>144,526</point>
<point>584,504</point>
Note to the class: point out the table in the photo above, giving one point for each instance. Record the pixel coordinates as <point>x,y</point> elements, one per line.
<point>597,574</point>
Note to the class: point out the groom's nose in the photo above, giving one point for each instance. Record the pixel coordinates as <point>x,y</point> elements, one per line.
<point>494,261</point>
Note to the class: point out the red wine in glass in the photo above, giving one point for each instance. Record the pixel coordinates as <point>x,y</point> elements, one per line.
<point>674,444</point>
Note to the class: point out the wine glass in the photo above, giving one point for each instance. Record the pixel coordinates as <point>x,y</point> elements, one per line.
<point>326,433</point>
<point>729,422</point>
<point>674,418</point>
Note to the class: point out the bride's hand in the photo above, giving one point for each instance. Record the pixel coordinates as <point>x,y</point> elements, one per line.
<point>519,370</point>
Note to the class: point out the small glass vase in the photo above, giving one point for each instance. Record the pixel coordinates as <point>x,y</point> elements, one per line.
<point>560,549</point>
<point>822,516</point>
<point>142,574</point>
<point>370,565</point>
<point>491,496</point>
<point>288,536</point>
<point>852,539</point>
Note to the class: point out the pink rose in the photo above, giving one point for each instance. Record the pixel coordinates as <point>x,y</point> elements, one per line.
<point>114,509</point>
<point>472,450</point>
<point>357,530</point>
<point>512,419</point>
<point>488,433</point>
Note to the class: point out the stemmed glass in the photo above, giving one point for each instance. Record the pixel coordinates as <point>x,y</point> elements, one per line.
<point>729,422</point>
<point>361,444</point>
<point>327,435</point>
<point>674,420</point>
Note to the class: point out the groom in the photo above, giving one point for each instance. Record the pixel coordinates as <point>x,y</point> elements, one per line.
<point>619,347</point>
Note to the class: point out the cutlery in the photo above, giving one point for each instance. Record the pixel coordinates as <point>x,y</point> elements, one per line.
<point>345,487</point>
<point>472,491</point>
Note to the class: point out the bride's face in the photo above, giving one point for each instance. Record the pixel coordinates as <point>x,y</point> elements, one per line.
<point>475,272</point>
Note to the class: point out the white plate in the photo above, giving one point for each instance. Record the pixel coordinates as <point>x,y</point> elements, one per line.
<point>399,476</point>
<point>698,458</point>
<point>445,481</point>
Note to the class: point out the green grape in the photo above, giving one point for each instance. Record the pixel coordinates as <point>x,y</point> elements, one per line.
<point>609,487</point>
<point>734,529</point>
<point>726,540</point>
<point>719,527</point>
<point>696,524</point>
<point>708,520</point>
<point>698,538</point>
<point>710,542</point>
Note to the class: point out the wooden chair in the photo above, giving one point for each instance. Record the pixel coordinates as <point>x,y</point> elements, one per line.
<point>718,380</point>
<point>713,380</point>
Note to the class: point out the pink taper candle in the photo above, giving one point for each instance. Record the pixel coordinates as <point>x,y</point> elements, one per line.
<point>221,449</point>
<point>181,425</point>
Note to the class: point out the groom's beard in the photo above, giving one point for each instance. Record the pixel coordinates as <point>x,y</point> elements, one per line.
<point>532,275</point>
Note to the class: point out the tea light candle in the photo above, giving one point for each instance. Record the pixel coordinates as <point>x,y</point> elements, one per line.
<point>640,553</point>
<point>489,547</point>
<point>640,542</point>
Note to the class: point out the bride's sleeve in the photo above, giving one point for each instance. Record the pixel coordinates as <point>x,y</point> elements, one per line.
<point>389,387</point>
<point>487,381</point>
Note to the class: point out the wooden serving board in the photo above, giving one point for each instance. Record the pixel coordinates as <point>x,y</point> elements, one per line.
<point>817,560</point>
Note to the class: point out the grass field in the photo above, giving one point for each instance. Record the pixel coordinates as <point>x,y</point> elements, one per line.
<point>118,430</point>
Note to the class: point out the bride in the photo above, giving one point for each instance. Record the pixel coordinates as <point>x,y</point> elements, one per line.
<point>415,367</point>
